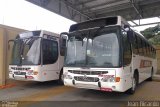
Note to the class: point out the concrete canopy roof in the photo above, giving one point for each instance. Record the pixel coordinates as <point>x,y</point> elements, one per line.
<point>81,10</point>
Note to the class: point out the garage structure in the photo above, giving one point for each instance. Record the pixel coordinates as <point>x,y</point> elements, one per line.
<point>78,11</point>
<point>81,10</point>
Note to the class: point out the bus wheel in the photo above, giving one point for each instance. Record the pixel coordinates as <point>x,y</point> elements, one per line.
<point>60,81</point>
<point>134,84</point>
<point>151,78</point>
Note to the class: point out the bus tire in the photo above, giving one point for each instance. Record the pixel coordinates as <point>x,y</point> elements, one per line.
<point>151,78</point>
<point>134,84</point>
<point>60,81</point>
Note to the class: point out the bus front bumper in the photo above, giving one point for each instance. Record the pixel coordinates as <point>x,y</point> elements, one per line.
<point>24,77</point>
<point>102,86</point>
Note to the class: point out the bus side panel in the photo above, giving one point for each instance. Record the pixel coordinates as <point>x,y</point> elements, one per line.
<point>49,72</point>
<point>136,66</point>
<point>126,77</point>
<point>143,65</point>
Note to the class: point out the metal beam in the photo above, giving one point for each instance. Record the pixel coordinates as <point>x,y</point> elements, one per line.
<point>149,10</point>
<point>146,2</point>
<point>109,9</point>
<point>146,24</point>
<point>107,3</point>
<point>44,3</point>
<point>133,5</point>
<point>84,2</point>
<point>74,9</point>
<point>134,23</point>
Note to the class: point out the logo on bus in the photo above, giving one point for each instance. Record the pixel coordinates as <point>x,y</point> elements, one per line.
<point>85,77</point>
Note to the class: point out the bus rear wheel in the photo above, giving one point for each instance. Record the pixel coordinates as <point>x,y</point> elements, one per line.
<point>151,78</point>
<point>134,84</point>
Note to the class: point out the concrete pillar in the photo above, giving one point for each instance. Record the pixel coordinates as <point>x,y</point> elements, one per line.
<point>6,33</point>
<point>2,58</point>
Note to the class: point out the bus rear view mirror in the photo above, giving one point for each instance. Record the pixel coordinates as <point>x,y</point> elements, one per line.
<point>129,32</point>
<point>63,42</point>
<point>127,28</point>
<point>64,35</point>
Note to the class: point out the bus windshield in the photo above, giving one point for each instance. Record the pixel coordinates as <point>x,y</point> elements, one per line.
<point>93,48</point>
<point>26,51</point>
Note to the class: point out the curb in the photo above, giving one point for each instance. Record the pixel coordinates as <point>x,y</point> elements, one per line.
<point>7,86</point>
<point>156,78</point>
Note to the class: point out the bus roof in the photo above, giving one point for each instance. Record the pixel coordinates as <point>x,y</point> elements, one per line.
<point>36,33</point>
<point>99,22</point>
<point>50,33</point>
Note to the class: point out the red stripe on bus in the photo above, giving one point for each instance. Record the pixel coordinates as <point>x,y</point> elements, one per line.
<point>145,63</point>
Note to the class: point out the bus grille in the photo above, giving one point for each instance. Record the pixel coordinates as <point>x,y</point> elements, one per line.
<point>86,79</point>
<point>16,68</point>
<point>88,72</point>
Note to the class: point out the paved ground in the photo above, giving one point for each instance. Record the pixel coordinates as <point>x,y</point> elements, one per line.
<point>33,94</point>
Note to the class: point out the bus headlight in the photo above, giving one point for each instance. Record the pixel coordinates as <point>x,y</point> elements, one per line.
<point>10,72</point>
<point>112,79</point>
<point>104,79</point>
<point>68,77</point>
<point>108,79</point>
<point>30,72</point>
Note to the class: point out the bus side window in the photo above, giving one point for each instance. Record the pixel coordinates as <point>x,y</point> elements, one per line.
<point>140,46</point>
<point>143,47</point>
<point>149,50</point>
<point>146,48</point>
<point>135,45</point>
<point>127,53</point>
<point>50,51</point>
<point>151,54</point>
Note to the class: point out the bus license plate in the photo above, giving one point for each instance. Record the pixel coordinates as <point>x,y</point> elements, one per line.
<point>106,89</point>
<point>19,77</point>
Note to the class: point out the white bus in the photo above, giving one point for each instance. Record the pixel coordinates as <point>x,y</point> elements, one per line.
<point>36,56</point>
<point>106,54</point>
